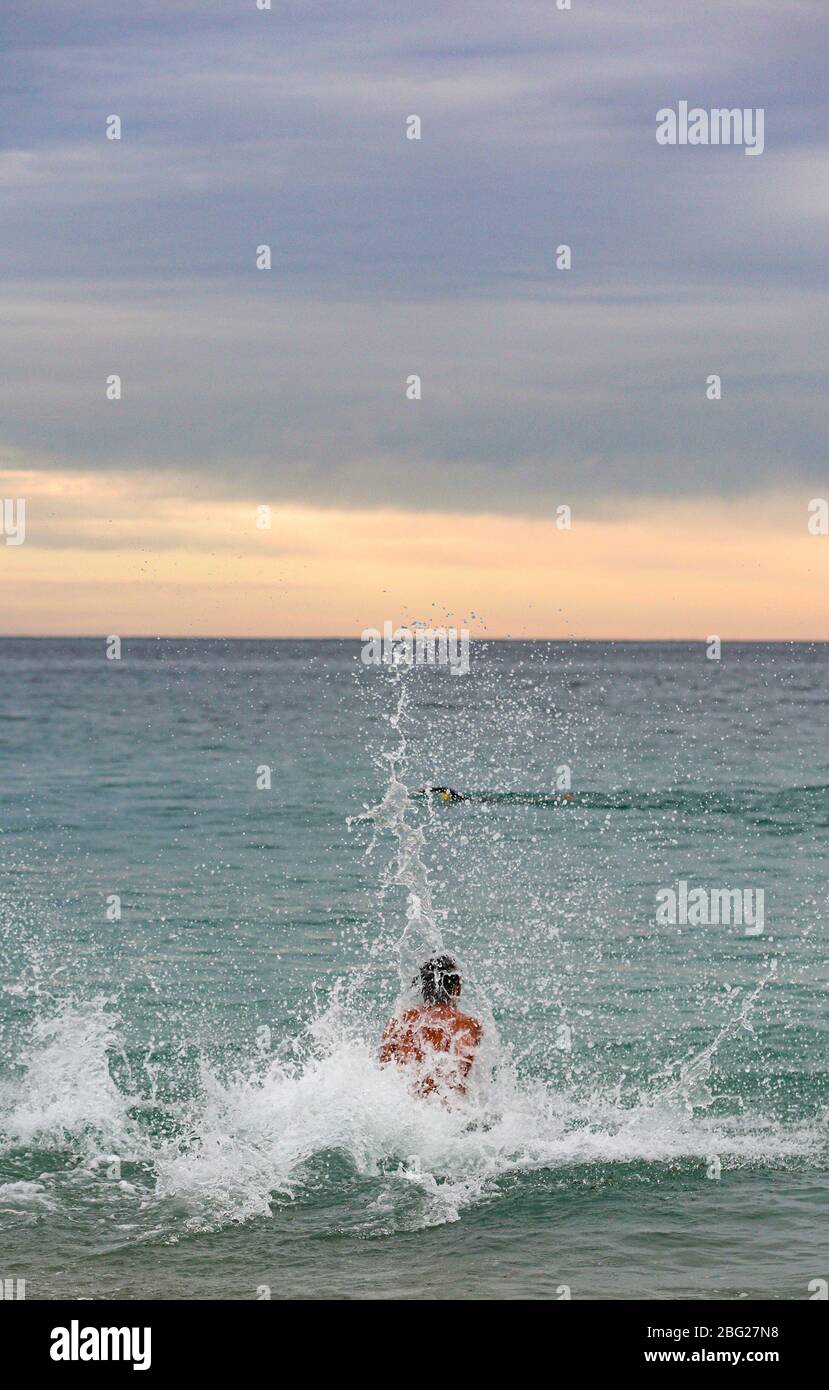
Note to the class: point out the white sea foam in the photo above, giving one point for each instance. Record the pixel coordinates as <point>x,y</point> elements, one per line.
<point>24,1199</point>
<point>260,1135</point>
<point>271,1135</point>
<point>66,1095</point>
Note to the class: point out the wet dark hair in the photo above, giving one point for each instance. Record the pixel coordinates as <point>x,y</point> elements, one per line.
<point>439,979</point>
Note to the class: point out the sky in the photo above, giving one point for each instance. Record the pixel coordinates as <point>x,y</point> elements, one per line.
<point>540,387</point>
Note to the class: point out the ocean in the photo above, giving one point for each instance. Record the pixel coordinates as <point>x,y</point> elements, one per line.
<point>216,888</point>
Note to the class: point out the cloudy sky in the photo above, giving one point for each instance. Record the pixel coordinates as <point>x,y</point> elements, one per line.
<point>391,257</point>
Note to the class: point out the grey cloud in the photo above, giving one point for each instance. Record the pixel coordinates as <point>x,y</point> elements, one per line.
<point>393,257</point>
<point>588,393</point>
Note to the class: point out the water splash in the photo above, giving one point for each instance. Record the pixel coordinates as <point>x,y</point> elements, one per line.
<point>67,1096</point>
<point>323,1120</point>
<point>331,1121</point>
<point>422,936</point>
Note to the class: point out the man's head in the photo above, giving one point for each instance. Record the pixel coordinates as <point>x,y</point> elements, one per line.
<point>440,980</point>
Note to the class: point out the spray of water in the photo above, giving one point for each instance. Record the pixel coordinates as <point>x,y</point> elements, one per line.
<point>322,1116</point>
<point>393,815</point>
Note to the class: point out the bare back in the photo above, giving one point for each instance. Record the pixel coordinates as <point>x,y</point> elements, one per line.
<point>437,1041</point>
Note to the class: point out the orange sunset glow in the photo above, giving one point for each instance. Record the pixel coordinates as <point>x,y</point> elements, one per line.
<point>117,553</point>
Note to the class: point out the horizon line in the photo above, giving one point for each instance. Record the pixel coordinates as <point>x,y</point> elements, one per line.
<point>333,637</point>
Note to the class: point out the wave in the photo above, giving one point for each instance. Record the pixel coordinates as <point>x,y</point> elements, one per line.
<point>271,1133</point>
<point>67,1095</point>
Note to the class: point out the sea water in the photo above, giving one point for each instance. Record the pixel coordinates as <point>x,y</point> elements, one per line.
<point>217,886</point>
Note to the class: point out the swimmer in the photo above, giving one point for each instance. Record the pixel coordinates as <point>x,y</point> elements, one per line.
<point>449,794</point>
<point>445,793</point>
<point>435,1038</point>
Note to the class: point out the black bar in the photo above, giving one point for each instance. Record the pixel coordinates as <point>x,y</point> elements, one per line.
<point>226,1337</point>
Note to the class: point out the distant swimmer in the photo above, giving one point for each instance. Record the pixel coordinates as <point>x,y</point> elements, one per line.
<point>435,1039</point>
<point>445,793</point>
<point>517,798</point>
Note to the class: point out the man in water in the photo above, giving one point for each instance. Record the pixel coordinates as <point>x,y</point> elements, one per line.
<point>436,1039</point>
<point>449,794</point>
<point>445,793</point>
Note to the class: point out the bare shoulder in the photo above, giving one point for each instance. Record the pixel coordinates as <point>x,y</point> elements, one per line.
<point>470,1025</point>
<point>398,1022</point>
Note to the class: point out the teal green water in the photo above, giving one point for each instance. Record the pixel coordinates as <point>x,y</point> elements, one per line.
<point>190,1103</point>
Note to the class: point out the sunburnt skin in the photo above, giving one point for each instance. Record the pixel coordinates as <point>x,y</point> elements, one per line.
<point>436,1039</point>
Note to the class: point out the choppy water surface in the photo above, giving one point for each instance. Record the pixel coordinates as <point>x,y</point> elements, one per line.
<point>190,1101</point>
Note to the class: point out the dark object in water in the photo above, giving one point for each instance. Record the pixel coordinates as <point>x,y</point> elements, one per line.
<point>439,980</point>
<point>449,794</point>
<point>445,793</point>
